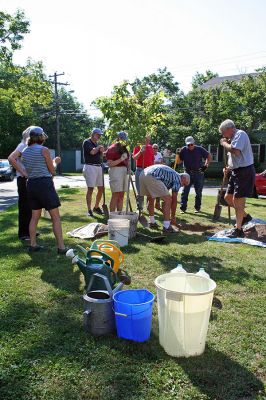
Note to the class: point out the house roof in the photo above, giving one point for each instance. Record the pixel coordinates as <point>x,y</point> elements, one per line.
<point>214,82</point>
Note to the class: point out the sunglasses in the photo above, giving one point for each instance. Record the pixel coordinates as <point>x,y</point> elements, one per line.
<point>190,145</point>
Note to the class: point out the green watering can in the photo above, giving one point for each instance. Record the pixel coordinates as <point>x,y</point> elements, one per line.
<point>97,262</point>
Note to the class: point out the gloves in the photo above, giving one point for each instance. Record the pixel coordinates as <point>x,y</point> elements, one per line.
<point>124,157</point>
<point>203,168</point>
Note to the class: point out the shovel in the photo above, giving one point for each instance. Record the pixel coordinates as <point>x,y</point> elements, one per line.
<point>104,206</point>
<point>142,219</point>
<point>218,206</point>
<point>153,239</point>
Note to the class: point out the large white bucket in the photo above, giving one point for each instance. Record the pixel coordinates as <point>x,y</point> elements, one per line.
<point>184,306</point>
<point>118,230</point>
<point>131,216</point>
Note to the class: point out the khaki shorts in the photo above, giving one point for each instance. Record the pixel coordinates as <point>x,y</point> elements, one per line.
<point>118,179</point>
<point>93,175</point>
<point>150,186</point>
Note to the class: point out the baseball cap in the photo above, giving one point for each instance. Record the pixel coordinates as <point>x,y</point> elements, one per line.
<point>98,131</point>
<point>189,140</point>
<point>37,131</point>
<point>122,135</point>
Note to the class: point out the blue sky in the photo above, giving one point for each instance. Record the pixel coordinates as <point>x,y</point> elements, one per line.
<point>100,43</point>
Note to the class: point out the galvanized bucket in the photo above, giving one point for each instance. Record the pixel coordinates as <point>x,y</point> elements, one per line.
<point>98,315</point>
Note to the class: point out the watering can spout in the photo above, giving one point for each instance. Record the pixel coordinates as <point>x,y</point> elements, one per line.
<point>81,264</point>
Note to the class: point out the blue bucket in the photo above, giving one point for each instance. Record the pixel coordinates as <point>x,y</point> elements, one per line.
<point>133,314</point>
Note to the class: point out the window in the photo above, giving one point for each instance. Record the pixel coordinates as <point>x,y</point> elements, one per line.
<point>213,150</point>
<point>256,152</point>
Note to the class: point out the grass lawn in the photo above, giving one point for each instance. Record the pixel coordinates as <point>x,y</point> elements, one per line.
<point>45,354</point>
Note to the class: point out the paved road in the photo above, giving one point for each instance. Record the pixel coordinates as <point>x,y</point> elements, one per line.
<point>8,190</point>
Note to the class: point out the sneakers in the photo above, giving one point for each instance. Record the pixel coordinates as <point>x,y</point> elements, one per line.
<point>33,249</point>
<point>182,211</point>
<point>153,225</point>
<point>171,229</point>
<point>62,251</point>
<point>196,211</point>
<point>235,233</point>
<point>245,220</point>
<point>90,213</point>
<point>98,210</point>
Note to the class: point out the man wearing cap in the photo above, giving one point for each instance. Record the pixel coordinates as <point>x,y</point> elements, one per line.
<point>144,157</point>
<point>117,157</point>
<point>241,170</point>
<point>156,181</point>
<point>192,157</point>
<point>92,170</point>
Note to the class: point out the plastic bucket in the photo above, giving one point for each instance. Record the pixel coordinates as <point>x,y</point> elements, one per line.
<point>184,306</point>
<point>133,314</point>
<point>118,230</point>
<point>131,216</point>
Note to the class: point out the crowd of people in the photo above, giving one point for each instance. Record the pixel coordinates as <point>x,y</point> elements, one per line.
<point>154,180</point>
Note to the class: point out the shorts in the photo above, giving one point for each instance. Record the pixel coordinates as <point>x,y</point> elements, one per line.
<point>241,182</point>
<point>93,175</point>
<point>150,186</point>
<point>118,179</point>
<point>42,194</point>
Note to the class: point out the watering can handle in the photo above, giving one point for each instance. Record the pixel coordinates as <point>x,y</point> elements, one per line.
<point>106,257</point>
<point>106,244</point>
<point>106,282</point>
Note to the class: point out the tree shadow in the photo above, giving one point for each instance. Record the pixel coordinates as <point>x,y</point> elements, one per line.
<point>219,377</point>
<point>212,265</point>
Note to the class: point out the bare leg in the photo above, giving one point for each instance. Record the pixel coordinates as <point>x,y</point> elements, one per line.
<point>239,204</point>
<point>229,198</point>
<point>88,197</point>
<point>99,196</point>
<point>114,201</point>
<point>36,214</point>
<point>120,201</point>
<point>57,228</point>
<point>151,206</point>
<point>167,207</point>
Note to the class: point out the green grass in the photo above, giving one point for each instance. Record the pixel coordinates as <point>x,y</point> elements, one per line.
<point>45,354</point>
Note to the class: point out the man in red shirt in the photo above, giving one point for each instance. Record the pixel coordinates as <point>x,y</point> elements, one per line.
<point>117,157</point>
<point>144,157</point>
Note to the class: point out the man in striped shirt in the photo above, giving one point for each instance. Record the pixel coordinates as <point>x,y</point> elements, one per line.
<point>156,181</point>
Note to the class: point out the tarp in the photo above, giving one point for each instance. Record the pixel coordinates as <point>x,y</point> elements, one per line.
<point>90,231</point>
<point>254,223</point>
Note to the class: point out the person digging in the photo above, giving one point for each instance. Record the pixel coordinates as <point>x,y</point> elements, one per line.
<point>156,181</point>
<point>242,173</point>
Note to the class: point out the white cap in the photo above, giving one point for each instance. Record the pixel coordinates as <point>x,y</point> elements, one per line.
<point>189,140</point>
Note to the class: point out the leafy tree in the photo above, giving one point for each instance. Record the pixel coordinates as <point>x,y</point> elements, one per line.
<point>199,78</point>
<point>12,31</point>
<point>132,109</point>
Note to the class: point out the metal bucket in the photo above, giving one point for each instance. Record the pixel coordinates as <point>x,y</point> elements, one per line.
<point>98,315</point>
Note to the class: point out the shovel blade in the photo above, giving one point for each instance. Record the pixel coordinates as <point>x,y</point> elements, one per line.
<point>217,212</point>
<point>143,221</point>
<point>105,211</point>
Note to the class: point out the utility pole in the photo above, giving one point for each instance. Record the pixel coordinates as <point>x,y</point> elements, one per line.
<point>57,113</point>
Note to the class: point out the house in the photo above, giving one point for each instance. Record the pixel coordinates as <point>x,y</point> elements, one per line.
<point>218,80</point>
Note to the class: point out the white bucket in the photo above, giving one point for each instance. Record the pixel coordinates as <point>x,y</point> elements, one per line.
<point>184,306</point>
<point>132,217</point>
<point>118,230</point>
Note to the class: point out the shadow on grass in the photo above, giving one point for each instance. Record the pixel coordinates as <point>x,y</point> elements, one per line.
<point>219,377</point>
<point>212,265</point>
<point>66,363</point>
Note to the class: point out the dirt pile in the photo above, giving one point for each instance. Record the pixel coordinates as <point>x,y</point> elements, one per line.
<point>256,232</point>
<point>195,227</point>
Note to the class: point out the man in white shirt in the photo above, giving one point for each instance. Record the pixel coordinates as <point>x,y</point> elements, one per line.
<point>242,172</point>
<point>158,158</point>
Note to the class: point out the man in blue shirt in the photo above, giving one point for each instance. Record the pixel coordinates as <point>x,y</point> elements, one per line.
<point>156,181</point>
<point>241,170</point>
<point>192,157</point>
